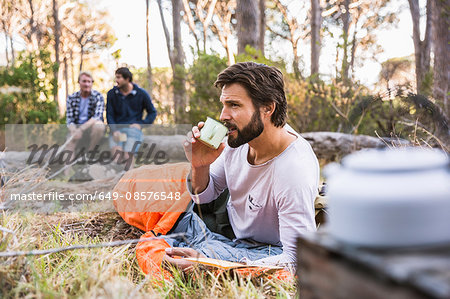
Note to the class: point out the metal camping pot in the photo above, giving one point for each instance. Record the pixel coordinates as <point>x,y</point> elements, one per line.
<point>390,198</point>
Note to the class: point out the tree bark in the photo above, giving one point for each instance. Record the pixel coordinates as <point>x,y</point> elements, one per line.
<point>179,79</point>
<point>262,24</point>
<point>345,29</point>
<point>147,29</point>
<point>66,77</point>
<point>248,15</point>
<point>422,48</point>
<point>316,21</point>
<point>57,32</point>
<point>441,49</point>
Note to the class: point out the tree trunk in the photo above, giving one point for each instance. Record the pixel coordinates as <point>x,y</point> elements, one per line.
<point>316,21</point>
<point>190,21</point>
<point>176,57</point>
<point>13,56</point>
<point>248,32</point>
<point>296,62</point>
<point>6,49</point>
<point>35,35</point>
<point>72,72</point>
<point>421,47</point>
<point>66,77</point>
<point>441,48</point>
<point>147,29</point>
<point>57,32</point>
<point>166,33</point>
<point>81,57</point>
<point>345,29</point>
<point>230,54</point>
<point>262,24</point>
<point>352,53</point>
<point>179,80</point>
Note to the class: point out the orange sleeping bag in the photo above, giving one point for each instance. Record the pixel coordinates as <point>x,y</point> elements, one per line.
<point>152,198</point>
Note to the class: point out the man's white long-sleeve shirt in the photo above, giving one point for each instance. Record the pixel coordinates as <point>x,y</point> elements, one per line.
<point>271,203</point>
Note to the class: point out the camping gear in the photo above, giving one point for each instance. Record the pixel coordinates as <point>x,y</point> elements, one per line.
<point>390,198</point>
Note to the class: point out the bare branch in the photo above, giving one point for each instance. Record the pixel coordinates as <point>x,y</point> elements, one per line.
<point>166,33</point>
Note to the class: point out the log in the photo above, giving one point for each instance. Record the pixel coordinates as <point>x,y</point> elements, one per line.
<point>328,146</point>
<point>332,146</point>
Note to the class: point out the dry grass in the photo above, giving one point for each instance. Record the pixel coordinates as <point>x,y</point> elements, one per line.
<point>104,272</point>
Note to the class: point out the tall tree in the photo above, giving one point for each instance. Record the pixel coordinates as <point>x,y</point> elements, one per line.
<point>248,22</point>
<point>316,22</point>
<point>176,57</point>
<point>189,19</point>
<point>441,49</point>
<point>34,33</point>
<point>204,11</point>
<point>262,24</point>
<point>422,48</point>
<point>89,28</point>
<point>147,36</point>
<point>357,23</point>
<point>57,34</point>
<point>345,32</point>
<point>291,31</point>
<point>222,25</point>
<point>6,13</point>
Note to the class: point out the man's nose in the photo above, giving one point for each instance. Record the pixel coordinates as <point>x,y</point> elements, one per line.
<point>224,115</point>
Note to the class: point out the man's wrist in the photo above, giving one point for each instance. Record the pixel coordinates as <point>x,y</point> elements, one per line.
<point>198,179</point>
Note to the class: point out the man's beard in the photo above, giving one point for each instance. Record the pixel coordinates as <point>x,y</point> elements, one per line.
<point>252,130</point>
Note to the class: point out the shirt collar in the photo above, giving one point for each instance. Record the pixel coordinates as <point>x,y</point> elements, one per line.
<point>78,94</point>
<point>133,92</point>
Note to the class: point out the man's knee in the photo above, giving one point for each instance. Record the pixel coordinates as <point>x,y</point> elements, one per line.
<point>98,128</point>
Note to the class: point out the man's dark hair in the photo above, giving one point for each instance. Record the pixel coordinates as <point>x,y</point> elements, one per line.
<point>264,85</point>
<point>125,72</point>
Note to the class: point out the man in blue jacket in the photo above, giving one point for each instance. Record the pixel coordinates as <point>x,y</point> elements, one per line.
<point>124,109</point>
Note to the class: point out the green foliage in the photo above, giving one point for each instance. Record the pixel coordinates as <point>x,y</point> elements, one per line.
<point>309,105</point>
<point>204,97</point>
<point>252,54</point>
<point>161,91</point>
<point>27,90</point>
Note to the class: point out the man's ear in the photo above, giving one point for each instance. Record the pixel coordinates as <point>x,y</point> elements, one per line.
<point>269,109</point>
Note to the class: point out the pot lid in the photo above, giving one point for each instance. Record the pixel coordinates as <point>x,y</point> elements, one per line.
<point>397,159</point>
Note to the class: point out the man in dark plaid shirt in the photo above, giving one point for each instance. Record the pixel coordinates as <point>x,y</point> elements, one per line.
<point>84,115</point>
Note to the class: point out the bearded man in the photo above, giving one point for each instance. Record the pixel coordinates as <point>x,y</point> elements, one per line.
<point>270,171</point>
<point>125,105</point>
